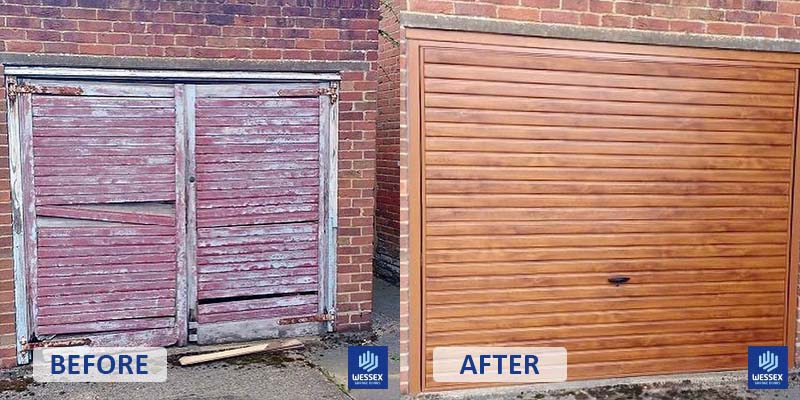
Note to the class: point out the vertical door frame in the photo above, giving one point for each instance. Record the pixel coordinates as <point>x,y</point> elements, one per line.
<point>794,235</point>
<point>329,195</point>
<point>190,91</point>
<point>416,264</point>
<point>183,128</point>
<point>20,148</point>
<point>20,145</point>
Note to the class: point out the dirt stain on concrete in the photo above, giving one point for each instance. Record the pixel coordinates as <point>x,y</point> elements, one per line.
<point>684,390</point>
<point>649,392</point>
<point>331,340</point>
<point>15,385</point>
<point>277,360</point>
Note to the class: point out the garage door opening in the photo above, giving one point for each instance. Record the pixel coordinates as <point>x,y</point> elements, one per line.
<point>160,210</point>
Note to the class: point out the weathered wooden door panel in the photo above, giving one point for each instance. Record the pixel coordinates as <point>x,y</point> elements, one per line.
<point>269,261</point>
<point>104,166</point>
<point>257,201</point>
<point>544,175</point>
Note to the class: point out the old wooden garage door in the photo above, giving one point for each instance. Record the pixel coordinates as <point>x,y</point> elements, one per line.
<point>551,167</point>
<point>150,209</point>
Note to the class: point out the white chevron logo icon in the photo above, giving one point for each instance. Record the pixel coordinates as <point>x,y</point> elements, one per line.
<point>368,361</point>
<point>768,361</point>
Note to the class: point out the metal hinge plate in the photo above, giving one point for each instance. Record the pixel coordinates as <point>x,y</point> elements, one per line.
<point>28,346</point>
<point>332,92</point>
<point>15,89</point>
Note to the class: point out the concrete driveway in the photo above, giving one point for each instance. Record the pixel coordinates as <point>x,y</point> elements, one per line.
<point>711,386</point>
<point>318,372</point>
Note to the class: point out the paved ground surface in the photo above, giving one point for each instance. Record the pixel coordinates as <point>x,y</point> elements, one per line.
<point>319,372</point>
<point>332,360</point>
<point>719,386</point>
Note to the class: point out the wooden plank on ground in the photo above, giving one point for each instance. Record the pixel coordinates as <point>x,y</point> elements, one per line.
<point>271,346</point>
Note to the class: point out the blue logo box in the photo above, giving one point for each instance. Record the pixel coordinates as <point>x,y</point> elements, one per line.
<point>367,367</point>
<point>767,367</point>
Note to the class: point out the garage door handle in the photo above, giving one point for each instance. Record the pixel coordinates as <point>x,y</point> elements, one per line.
<point>619,280</point>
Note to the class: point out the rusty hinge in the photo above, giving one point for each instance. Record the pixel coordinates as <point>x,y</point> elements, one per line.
<point>28,346</point>
<point>21,88</point>
<point>309,318</point>
<point>332,91</point>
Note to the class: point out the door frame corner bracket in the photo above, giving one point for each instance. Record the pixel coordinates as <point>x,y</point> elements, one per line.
<point>331,91</point>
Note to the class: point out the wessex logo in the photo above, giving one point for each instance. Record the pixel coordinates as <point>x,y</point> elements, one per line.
<point>768,361</point>
<point>367,367</point>
<point>368,361</point>
<point>767,367</point>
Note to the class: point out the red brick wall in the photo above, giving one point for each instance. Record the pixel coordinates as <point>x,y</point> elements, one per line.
<point>321,30</point>
<point>7,331</point>
<point>387,217</point>
<point>764,18</point>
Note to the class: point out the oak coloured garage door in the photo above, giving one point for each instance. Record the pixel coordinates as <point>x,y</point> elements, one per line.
<point>552,169</point>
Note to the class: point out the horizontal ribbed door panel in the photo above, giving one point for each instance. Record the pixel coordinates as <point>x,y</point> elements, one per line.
<point>257,156</point>
<point>104,190</point>
<point>545,173</point>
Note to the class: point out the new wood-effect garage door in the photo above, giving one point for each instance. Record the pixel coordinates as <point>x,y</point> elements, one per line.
<point>549,170</point>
